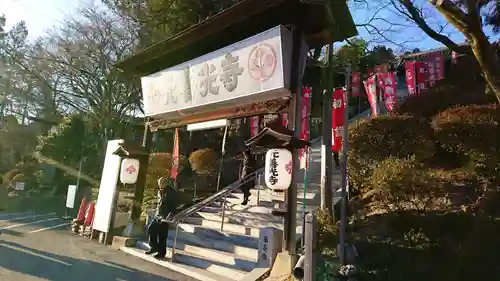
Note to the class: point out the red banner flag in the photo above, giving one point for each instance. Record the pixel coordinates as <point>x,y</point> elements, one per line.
<point>454,57</point>
<point>390,96</point>
<point>175,156</point>
<point>356,84</point>
<point>254,125</point>
<point>305,110</point>
<point>421,68</point>
<point>371,92</point>
<point>338,120</point>
<point>304,113</point>
<point>439,66</point>
<point>284,119</point>
<point>431,67</point>
<point>410,77</point>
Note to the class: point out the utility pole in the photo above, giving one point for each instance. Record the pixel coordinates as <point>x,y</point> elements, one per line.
<point>326,144</point>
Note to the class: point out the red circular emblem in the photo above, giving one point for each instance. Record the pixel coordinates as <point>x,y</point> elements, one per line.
<point>262,62</point>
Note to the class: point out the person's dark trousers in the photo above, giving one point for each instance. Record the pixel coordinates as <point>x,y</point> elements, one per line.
<point>336,159</point>
<point>158,235</point>
<point>162,239</point>
<point>153,237</point>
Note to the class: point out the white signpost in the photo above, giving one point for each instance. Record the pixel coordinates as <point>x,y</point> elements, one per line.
<point>253,70</point>
<point>107,189</point>
<point>19,186</point>
<point>70,197</point>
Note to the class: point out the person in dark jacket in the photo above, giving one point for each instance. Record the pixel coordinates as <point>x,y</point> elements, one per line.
<point>248,168</point>
<point>167,205</point>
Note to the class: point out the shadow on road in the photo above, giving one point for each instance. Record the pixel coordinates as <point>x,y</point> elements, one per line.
<point>49,266</point>
<point>11,232</point>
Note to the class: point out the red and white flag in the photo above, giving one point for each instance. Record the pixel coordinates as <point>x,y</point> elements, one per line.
<point>390,96</point>
<point>356,84</point>
<point>422,72</point>
<point>371,92</point>
<point>175,156</point>
<point>254,125</point>
<point>284,119</point>
<point>410,77</point>
<point>338,120</point>
<point>305,110</point>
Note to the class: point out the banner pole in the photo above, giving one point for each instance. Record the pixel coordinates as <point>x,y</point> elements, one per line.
<point>343,199</point>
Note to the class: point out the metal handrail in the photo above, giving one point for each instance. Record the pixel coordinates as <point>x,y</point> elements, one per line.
<point>207,201</point>
<point>186,213</point>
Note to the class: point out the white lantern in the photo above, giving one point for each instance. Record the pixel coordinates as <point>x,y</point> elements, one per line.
<point>129,170</point>
<point>278,169</point>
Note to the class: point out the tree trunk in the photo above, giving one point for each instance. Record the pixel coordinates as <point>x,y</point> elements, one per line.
<point>488,60</point>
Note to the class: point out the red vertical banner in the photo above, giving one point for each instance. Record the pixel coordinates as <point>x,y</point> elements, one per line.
<point>338,120</point>
<point>439,66</point>
<point>304,113</point>
<point>254,125</point>
<point>371,92</point>
<point>410,77</point>
<point>454,57</point>
<point>175,156</point>
<point>356,84</point>
<point>421,68</point>
<point>431,67</point>
<point>390,96</point>
<point>304,122</point>
<point>285,121</point>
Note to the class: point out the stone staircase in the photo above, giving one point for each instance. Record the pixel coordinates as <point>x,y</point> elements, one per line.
<point>205,252</point>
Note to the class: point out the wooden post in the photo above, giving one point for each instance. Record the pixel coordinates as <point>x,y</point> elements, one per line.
<point>310,248</point>
<point>298,64</point>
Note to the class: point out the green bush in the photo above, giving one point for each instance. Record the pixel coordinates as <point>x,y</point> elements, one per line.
<point>442,97</point>
<point>473,131</point>
<point>373,140</point>
<point>204,161</point>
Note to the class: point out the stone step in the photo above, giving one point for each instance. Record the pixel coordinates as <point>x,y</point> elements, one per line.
<point>228,227</point>
<point>254,220</point>
<point>200,262</point>
<point>191,271</point>
<point>244,248</point>
<point>222,258</point>
<point>225,259</point>
<point>213,233</point>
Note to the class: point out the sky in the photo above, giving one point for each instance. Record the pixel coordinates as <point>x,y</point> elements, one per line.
<point>41,15</point>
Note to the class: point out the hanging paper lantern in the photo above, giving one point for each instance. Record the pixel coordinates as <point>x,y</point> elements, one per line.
<point>129,171</point>
<point>278,169</point>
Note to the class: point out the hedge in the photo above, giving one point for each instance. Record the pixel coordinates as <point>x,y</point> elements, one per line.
<point>204,161</point>
<point>160,163</point>
<point>473,131</point>
<point>373,140</point>
<point>442,97</point>
<point>409,185</point>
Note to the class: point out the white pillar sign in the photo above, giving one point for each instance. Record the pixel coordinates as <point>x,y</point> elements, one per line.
<point>107,189</point>
<point>278,169</point>
<point>70,197</point>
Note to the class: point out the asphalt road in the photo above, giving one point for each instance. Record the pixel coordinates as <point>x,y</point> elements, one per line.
<point>41,247</point>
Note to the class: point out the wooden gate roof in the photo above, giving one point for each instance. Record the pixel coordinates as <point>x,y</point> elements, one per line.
<point>323,23</point>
